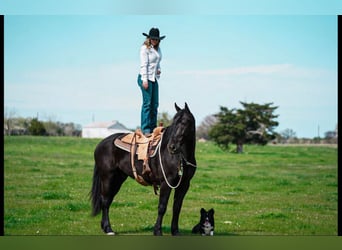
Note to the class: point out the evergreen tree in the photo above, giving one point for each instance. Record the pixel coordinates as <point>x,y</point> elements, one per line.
<point>36,127</point>
<point>252,124</point>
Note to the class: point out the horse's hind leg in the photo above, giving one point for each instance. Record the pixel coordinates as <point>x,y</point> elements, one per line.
<point>110,187</point>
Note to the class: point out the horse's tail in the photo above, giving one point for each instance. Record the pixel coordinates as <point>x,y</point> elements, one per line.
<point>95,193</point>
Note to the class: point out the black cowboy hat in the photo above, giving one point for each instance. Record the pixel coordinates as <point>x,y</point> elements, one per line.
<point>154,34</point>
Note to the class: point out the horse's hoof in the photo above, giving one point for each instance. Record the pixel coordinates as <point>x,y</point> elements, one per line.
<point>157,233</point>
<point>110,233</point>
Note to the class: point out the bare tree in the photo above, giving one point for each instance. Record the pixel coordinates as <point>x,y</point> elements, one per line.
<point>9,120</point>
<point>288,134</point>
<point>203,129</point>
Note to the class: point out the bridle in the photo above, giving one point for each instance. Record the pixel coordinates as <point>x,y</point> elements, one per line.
<point>180,169</point>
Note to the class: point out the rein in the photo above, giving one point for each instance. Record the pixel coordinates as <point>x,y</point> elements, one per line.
<point>180,169</point>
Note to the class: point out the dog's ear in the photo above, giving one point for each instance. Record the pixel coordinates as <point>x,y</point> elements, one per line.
<point>203,210</point>
<point>211,211</point>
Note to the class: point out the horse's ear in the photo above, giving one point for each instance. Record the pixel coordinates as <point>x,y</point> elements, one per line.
<point>177,108</point>
<point>187,108</point>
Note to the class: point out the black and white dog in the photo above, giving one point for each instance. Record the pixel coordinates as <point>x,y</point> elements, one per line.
<point>206,224</point>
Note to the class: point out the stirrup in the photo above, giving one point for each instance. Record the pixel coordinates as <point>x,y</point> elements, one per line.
<point>146,168</point>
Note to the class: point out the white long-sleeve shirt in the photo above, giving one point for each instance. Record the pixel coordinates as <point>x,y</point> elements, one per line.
<point>149,63</point>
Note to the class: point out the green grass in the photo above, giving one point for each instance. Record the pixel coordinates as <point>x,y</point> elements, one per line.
<point>270,190</point>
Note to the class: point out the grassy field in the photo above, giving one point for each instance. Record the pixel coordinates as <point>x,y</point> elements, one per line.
<point>270,190</point>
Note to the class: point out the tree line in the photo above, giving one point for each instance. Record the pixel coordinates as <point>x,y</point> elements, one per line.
<point>33,126</point>
<point>252,124</point>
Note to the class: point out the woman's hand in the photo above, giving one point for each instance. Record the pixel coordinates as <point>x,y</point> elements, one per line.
<point>145,84</point>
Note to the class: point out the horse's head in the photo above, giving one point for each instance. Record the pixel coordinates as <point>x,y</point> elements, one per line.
<point>183,129</point>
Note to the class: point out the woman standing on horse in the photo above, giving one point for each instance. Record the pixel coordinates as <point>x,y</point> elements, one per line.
<point>150,57</point>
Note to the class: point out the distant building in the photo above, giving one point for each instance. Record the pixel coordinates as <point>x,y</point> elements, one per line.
<point>103,129</point>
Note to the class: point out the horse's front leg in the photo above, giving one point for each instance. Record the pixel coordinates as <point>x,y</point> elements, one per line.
<point>163,200</point>
<point>177,205</point>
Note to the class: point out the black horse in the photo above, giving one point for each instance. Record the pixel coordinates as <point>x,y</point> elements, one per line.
<point>172,168</point>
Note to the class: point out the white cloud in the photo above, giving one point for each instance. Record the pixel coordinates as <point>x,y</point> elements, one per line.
<point>259,69</point>
<point>271,69</point>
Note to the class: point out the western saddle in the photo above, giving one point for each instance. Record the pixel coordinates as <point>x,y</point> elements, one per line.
<point>144,147</point>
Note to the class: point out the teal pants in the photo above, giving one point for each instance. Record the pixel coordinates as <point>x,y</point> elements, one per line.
<point>149,108</point>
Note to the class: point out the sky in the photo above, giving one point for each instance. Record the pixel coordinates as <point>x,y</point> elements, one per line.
<point>82,67</point>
